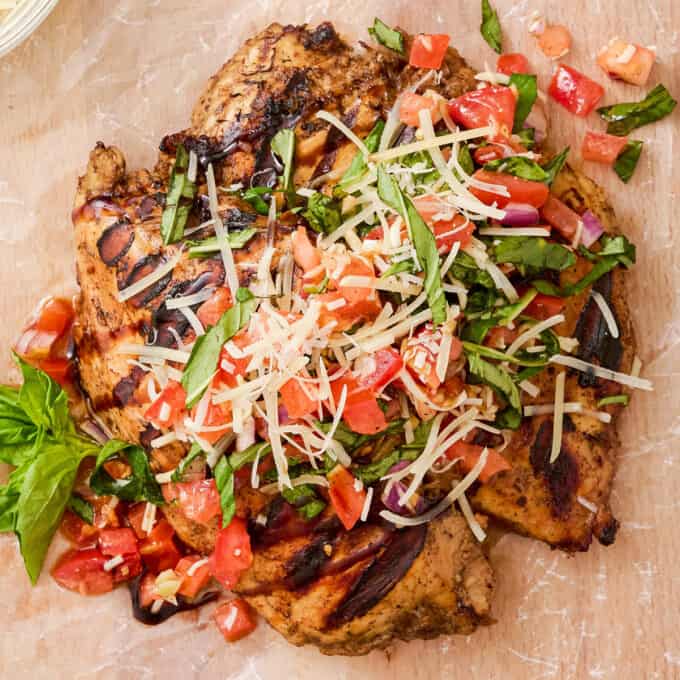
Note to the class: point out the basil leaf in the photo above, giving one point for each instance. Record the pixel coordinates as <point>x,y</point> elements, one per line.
<point>624,118</point>
<point>620,247</point>
<point>465,159</point>
<point>239,459</point>
<point>8,509</point>
<point>318,288</point>
<point>627,160</point>
<point>472,348</point>
<point>205,354</point>
<point>491,27</point>
<point>527,137</point>
<point>480,300</point>
<point>141,485</point>
<point>372,472</point>
<point>179,199</point>
<point>81,508</point>
<point>322,213</point>
<point>465,269</point>
<point>236,239</point>
<point>398,268</point>
<point>386,36</point>
<point>351,441</point>
<point>304,499</point>
<point>476,330</point>
<point>622,399</point>
<point>423,241</point>
<point>519,166</point>
<point>255,196</point>
<point>554,165</point>
<point>508,419</point>
<point>529,253</point>
<point>496,378</point>
<point>527,91</point>
<point>43,401</point>
<point>18,432</point>
<point>224,479</point>
<point>283,145</point>
<point>194,452</point>
<point>357,168</point>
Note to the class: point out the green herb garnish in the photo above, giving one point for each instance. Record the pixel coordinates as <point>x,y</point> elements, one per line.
<point>554,165</point>
<point>386,36</point>
<point>519,166</point>
<point>531,254</point>
<point>527,91</point>
<point>622,399</point>
<point>179,199</point>
<point>81,508</point>
<point>255,196</point>
<point>283,145</point>
<point>224,480</point>
<point>491,27</point>
<point>194,452</point>
<point>357,168</point>
<point>465,269</point>
<point>627,160</point>
<point>304,499</point>
<point>622,119</point>
<point>323,213</point>
<point>208,246</point>
<point>476,330</point>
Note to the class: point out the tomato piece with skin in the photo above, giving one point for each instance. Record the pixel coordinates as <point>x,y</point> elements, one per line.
<point>634,69</point>
<point>55,316</point>
<point>60,370</point>
<point>118,542</point>
<point>128,569</point>
<point>169,407</point>
<point>158,549</point>
<point>348,502</point>
<point>74,529</point>
<point>135,518</point>
<point>298,399</point>
<point>470,453</point>
<point>513,62</point>
<point>211,311</point>
<point>544,306</point>
<point>574,91</point>
<point>387,364</point>
<point>499,337</point>
<point>230,367</point>
<point>561,217</point>
<point>420,357</point>
<point>355,267</point>
<point>83,572</point>
<point>458,229</point>
<point>361,414</point>
<point>428,50</point>
<point>555,41</point>
<point>494,105</point>
<point>488,153</point>
<point>601,147</point>
<point>199,500</point>
<point>305,254</point>
<point>410,105</point>
<point>217,416</point>
<point>235,620</point>
<point>520,190</point>
<point>147,591</point>
<point>192,583</point>
<point>232,554</point>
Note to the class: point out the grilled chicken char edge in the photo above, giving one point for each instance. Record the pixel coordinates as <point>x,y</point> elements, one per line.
<point>374,583</point>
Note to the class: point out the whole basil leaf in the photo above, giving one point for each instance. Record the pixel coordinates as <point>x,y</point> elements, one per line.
<point>322,213</point>
<point>205,354</point>
<point>386,36</point>
<point>18,432</point>
<point>283,145</point>
<point>179,199</point>
<point>357,168</point>
<point>627,160</point>
<point>624,118</point>
<point>224,479</point>
<point>141,485</point>
<point>519,166</point>
<point>527,91</point>
<point>208,246</point>
<point>491,27</point>
<point>529,253</point>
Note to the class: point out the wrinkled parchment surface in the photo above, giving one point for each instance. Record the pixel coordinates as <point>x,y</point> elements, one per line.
<point>127,72</point>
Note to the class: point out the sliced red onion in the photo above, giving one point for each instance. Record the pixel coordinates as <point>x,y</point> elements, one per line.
<point>520,215</point>
<point>91,428</point>
<point>394,491</point>
<point>537,120</point>
<point>592,229</point>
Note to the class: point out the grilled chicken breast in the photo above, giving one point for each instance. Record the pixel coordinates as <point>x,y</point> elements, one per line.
<point>346,592</point>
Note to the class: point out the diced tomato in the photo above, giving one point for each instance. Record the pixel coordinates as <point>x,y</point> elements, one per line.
<point>376,234</point>
<point>60,370</point>
<point>306,255</point>
<point>128,569</point>
<point>499,337</point>
<point>199,500</point>
<point>298,399</point>
<point>77,531</point>
<point>135,517</point>
<point>576,92</point>
<point>512,63</point>
<point>428,50</point>
<point>55,316</point>
<point>493,106</point>
<point>193,583</point>
<point>488,153</point>
<point>555,41</point>
<point>388,363</point>
<point>355,267</point>
<point>520,190</point>
<point>210,312</point>
<point>617,62</point>
<point>158,549</point>
<point>232,554</point>
<point>217,416</point>
<point>348,502</point>
<point>169,407</point>
<point>83,572</point>
<point>410,104</point>
<point>147,591</point>
<point>420,355</point>
<point>601,147</point>
<point>447,232</point>
<point>544,306</point>
<point>118,542</point>
<point>470,453</point>
<point>230,366</point>
<point>235,620</point>
<point>349,314</point>
<point>361,414</point>
<point>561,217</point>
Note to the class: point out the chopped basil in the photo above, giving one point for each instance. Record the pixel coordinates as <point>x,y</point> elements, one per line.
<point>497,378</point>
<point>527,137</point>
<point>81,507</point>
<point>352,441</point>
<point>256,451</point>
<point>465,269</point>
<point>627,160</point>
<point>283,145</point>
<point>386,36</point>
<point>519,166</point>
<point>141,485</point>
<point>372,472</point>
<point>208,246</point>
<point>304,499</point>
<point>179,199</point>
<point>255,196</point>
<point>527,92</point>
<point>465,159</point>
<point>399,268</point>
<point>224,480</point>
<point>476,330</point>
<point>193,454</point>
<point>554,165</point>
<point>622,399</point>
<point>322,213</point>
<point>423,241</point>
<point>622,119</point>
<point>519,358</point>
<point>357,168</point>
<point>319,288</point>
<point>531,254</point>
<point>202,363</point>
<point>491,27</point>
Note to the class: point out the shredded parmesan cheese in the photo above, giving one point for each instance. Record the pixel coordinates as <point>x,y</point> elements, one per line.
<point>605,373</point>
<point>148,280</point>
<point>606,313</point>
<point>557,417</point>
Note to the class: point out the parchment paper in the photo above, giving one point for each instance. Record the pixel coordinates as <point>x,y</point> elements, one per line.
<point>127,72</point>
